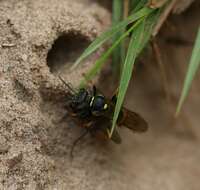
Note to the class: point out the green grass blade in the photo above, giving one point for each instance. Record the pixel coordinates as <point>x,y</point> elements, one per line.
<point>117,16</point>
<point>151,20</point>
<point>99,63</point>
<point>137,5</point>
<point>109,33</point>
<point>134,45</point>
<point>192,69</point>
<point>133,3</point>
<point>117,11</point>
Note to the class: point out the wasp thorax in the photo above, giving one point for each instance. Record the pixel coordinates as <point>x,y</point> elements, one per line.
<point>98,104</point>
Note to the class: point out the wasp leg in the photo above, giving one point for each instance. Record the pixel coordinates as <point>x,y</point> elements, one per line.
<point>75,143</point>
<point>66,117</point>
<point>63,118</point>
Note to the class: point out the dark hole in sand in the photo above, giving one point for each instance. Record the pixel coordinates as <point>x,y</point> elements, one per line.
<point>65,50</point>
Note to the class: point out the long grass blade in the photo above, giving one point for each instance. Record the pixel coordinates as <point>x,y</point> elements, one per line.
<point>134,45</point>
<point>137,5</point>
<point>117,16</point>
<point>192,69</point>
<point>99,63</point>
<point>109,33</point>
<point>151,21</point>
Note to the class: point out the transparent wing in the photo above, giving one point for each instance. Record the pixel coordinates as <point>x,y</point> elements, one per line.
<point>102,125</point>
<point>132,120</point>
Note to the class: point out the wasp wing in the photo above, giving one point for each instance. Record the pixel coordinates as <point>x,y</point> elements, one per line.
<point>132,120</point>
<point>128,118</point>
<point>101,127</point>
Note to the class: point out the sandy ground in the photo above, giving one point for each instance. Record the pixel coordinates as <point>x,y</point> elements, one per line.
<point>41,38</point>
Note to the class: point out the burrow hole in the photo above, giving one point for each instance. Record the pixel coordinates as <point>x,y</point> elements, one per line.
<point>65,50</point>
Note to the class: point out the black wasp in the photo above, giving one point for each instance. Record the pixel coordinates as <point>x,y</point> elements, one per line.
<point>94,112</point>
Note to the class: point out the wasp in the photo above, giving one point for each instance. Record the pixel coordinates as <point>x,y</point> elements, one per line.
<point>94,112</point>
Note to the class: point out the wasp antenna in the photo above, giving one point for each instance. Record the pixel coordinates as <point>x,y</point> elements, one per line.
<point>66,84</point>
<point>94,90</point>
